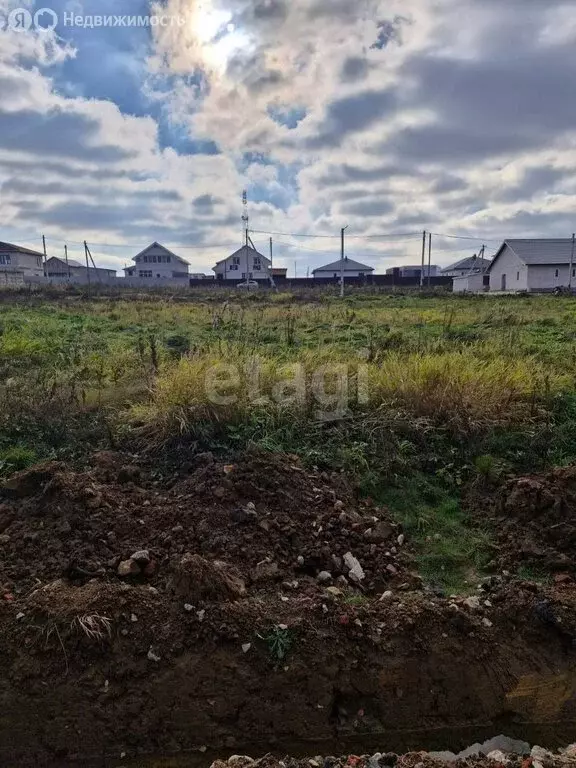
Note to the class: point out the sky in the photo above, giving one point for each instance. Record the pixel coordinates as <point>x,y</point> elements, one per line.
<point>387,117</point>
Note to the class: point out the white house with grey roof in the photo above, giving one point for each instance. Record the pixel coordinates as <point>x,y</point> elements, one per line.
<point>472,264</point>
<point>244,264</point>
<point>156,263</point>
<point>351,269</point>
<point>533,266</point>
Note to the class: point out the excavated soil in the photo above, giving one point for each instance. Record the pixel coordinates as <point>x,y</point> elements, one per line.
<point>533,520</point>
<point>254,603</point>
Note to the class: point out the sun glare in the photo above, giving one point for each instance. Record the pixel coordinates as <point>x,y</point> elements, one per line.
<point>217,35</point>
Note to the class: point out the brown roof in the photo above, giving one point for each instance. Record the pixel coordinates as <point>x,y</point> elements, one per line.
<point>9,248</point>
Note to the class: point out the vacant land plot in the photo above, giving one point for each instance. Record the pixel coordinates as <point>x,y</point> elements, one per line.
<point>414,397</point>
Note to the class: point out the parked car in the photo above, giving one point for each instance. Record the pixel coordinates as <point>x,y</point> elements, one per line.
<point>250,285</point>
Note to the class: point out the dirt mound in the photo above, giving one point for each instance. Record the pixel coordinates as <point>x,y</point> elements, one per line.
<point>535,521</point>
<point>265,518</point>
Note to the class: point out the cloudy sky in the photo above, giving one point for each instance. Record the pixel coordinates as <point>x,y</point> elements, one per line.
<point>388,116</point>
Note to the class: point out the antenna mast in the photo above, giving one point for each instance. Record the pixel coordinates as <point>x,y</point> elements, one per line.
<point>245,216</point>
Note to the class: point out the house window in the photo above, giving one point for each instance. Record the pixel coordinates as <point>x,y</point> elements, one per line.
<point>145,272</point>
<point>236,260</point>
<point>574,273</point>
<point>145,259</point>
<point>234,268</point>
<point>243,275</point>
<point>154,259</point>
<point>517,276</point>
<point>557,273</point>
<point>257,264</point>
<point>168,259</point>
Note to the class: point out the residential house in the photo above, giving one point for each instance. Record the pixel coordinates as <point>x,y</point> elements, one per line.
<point>158,263</point>
<point>413,271</point>
<point>533,265</point>
<point>280,272</point>
<point>22,261</point>
<point>244,264</point>
<point>466,266</point>
<point>351,269</point>
<point>73,271</point>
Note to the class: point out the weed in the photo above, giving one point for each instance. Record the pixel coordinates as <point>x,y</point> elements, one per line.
<point>94,626</point>
<point>279,641</point>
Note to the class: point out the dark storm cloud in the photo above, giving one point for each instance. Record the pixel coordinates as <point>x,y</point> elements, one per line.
<point>351,114</point>
<point>56,134</point>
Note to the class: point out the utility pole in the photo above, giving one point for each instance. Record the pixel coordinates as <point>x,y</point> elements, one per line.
<point>246,221</point>
<point>429,257</point>
<point>342,251</point>
<point>571,263</point>
<point>423,259</point>
<point>66,257</point>
<point>272,283</point>
<point>295,269</point>
<point>45,255</point>
<point>87,264</point>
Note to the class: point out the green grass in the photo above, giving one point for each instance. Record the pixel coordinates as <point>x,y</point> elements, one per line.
<point>453,389</point>
<point>451,551</point>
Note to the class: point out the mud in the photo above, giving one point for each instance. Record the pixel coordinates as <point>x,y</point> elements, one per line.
<point>225,637</point>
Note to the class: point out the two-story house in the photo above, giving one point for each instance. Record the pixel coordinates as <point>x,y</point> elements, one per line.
<point>158,263</point>
<point>245,264</point>
<point>17,260</point>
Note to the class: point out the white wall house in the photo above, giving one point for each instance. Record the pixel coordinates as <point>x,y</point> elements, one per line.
<point>471,264</point>
<point>473,282</point>
<point>157,263</point>
<point>245,264</point>
<point>17,260</point>
<point>532,265</point>
<point>351,269</point>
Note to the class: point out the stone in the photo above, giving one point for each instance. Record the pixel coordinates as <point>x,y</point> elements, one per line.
<point>498,757</point>
<point>381,532</point>
<point>4,539</point>
<point>300,560</point>
<point>353,565</point>
<point>189,608</point>
<point>133,618</point>
<point>487,623</point>
<point>153,656</point>
<point>20,616</point>
<point>387,596</point>
<point>201,614</point>
<point>142,557</point>
<point>128,568</point>
<point>265,572</point>
<point>324,577</point>
<point>541,754</point>
<point>246,647</point>
<point>334,591</point>
<point>338,505</point>
<point>472,603</point>
<point>392,569</point>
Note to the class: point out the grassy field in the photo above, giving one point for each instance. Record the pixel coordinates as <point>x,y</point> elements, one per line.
<point>413,396</point>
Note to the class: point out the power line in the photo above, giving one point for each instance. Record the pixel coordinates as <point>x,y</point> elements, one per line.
<point>397,235</point>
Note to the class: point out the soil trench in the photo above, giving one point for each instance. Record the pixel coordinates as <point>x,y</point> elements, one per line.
<point>252,607</point>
